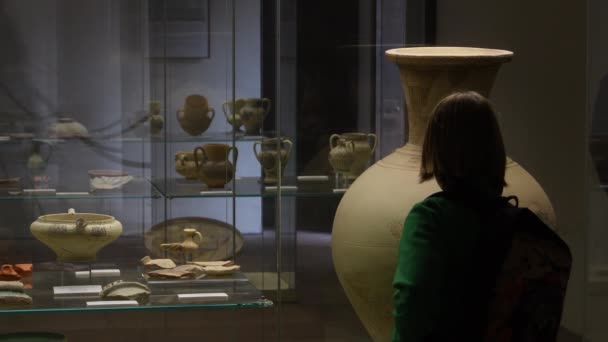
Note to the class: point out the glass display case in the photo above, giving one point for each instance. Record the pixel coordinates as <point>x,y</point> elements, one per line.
<point>141,160</point>
<point>180,146</point>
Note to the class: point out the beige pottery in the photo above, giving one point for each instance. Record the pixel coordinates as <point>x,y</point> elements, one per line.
<point>365,145</point>
<point>341,154</point>
<point>185,165</point>
<point>269,154</point>
<point>76,237</point>
<point>213,167</point>
<point>368,222</point>
<point>196,115</point>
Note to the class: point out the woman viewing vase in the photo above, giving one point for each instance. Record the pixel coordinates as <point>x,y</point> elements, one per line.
<point>368,222</point>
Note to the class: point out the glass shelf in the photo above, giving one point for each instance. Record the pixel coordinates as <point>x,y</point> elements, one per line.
<point>140,188</point>
<point>137,188</point>
<point>164,295</point>
<point>100,140</point>
<point>248,187</point>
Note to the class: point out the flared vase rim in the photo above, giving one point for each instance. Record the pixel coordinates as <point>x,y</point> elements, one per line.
<point>448,55</point>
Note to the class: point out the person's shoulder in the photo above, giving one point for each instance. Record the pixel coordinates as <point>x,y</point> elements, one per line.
<point>439,203</point>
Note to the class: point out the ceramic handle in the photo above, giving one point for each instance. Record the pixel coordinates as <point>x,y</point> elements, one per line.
<point>196,149</point>
<point>268,103</point>
<point>289,148</point>
<point>255,151</point>
<point>235,153</point>
<point>332,140</point>
<point>198,236</point>
<point>228,108</point>
<point>212,111</point>
<point>374,140</point>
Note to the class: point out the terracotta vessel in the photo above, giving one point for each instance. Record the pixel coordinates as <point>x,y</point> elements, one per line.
<point>232,111</point>
<point>365,145</point>
<point>185,165</point>
<point>196,115</point>
<point>76,237</point>
<point>341,154</point>
<point>368,222</point>
<point>253,112</point>
<point>214,168</point>
<point>272,150</point>
<point>67,128</point>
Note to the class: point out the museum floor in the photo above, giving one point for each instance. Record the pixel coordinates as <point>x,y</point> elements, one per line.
<point>320,313</point>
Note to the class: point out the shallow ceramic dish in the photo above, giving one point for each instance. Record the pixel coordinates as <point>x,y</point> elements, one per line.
<point>216,244</point>
<point>108,179</point>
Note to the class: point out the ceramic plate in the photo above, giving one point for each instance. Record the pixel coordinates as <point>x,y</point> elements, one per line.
<point>217,238</point>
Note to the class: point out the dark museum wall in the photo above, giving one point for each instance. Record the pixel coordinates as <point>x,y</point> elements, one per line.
<point>541,96</point>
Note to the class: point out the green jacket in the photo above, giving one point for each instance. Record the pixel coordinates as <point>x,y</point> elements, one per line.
<point>435,294</point>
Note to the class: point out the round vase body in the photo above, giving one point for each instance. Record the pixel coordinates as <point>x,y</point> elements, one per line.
<point>269,155</point>
<point>196,116</point>
<point>369,220</point>
<point>76,237</point>
<point>214,168</point>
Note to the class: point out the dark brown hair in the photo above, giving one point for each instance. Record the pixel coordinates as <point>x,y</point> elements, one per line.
<point>463,148</point>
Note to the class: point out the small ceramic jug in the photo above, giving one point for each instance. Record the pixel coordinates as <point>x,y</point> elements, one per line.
<point>156,120</point>
<point>196,116</point>
<point>185,165</point>
<point>232,113</point>
<point>365,145</point>
<point>253,112</point>
<point>214,168</point>
<point>192,241</point>
<point>272,150</point>
<point>341,154</point>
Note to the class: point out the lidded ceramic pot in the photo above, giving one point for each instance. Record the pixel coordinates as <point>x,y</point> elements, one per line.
<point>76,237</point>
<point>213,167</point>
<point>196,115</point>
<point>67,128</point>
<point>268,155</point>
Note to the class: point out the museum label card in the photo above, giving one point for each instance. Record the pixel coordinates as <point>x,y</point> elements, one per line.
<point>76,289</point>
<point>113,303</point>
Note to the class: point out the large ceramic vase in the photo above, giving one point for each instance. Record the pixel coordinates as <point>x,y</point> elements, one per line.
<point>368,222</point>
<point>76,237</point>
